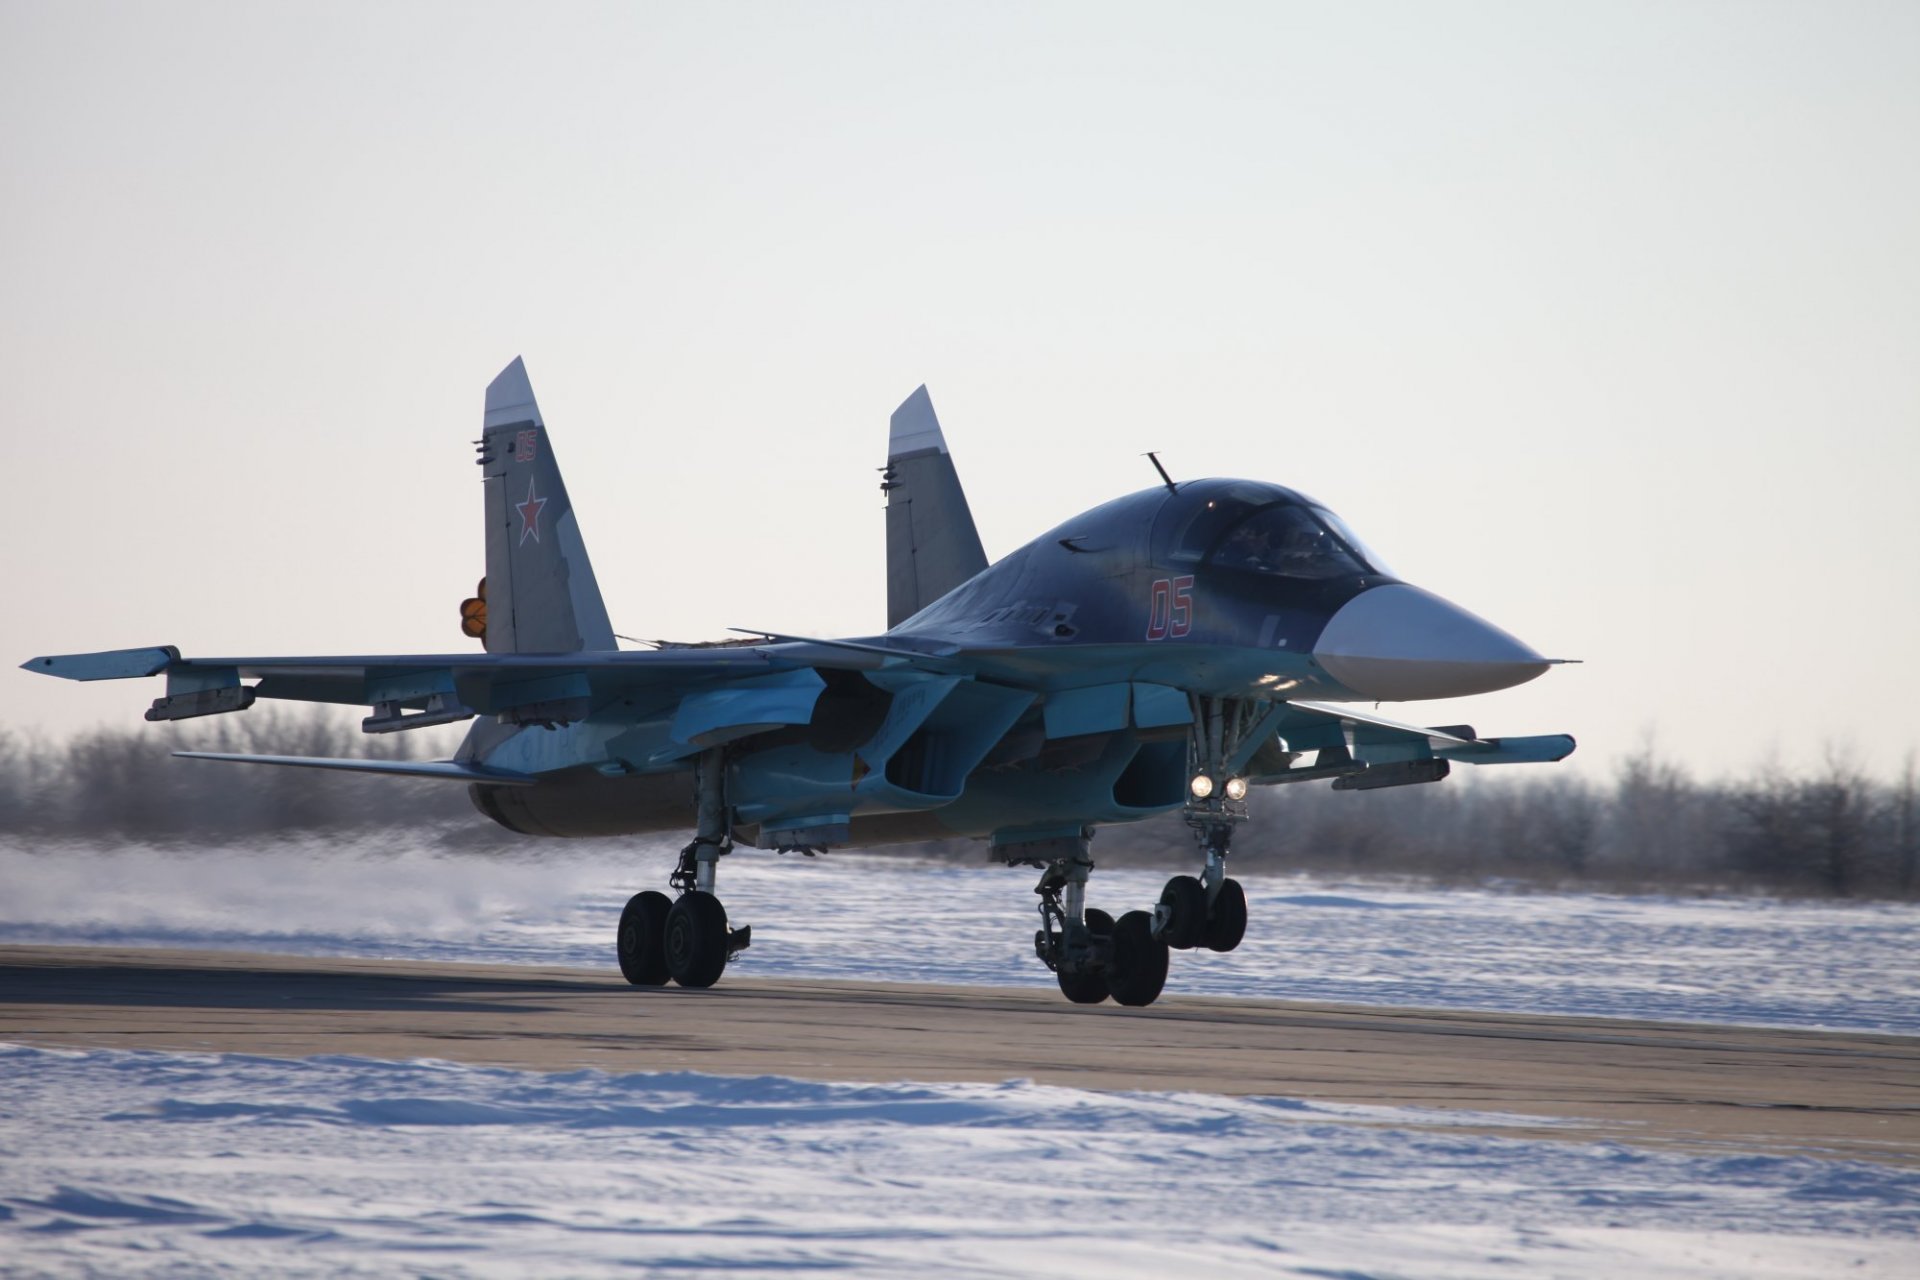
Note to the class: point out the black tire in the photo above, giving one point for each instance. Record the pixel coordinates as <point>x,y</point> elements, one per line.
<point>696,939</point>
<point>639,944</point>
<point>1088,988</point>
<point>1139,968</point>
<point>1186,901</point>
<point>1228,923</point>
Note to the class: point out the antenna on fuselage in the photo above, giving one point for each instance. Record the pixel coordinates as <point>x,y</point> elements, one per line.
<point>1166,479</point>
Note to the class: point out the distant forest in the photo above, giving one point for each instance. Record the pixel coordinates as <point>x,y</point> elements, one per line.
<point>1834,832</point>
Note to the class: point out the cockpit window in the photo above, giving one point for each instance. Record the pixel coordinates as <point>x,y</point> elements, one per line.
<point>1200,530</point>
<point>1352,539</point>
<point>1287,540</point>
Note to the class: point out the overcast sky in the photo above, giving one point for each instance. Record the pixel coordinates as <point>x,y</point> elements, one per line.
<point>1601,320</point>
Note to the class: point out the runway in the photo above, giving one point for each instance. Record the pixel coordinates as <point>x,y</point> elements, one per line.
<point>1835,1094</point>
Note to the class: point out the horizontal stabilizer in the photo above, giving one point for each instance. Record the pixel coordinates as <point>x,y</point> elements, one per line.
<point>451,770</point>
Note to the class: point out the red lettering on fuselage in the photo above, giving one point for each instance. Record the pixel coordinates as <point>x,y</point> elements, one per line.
<point>1170,609</point>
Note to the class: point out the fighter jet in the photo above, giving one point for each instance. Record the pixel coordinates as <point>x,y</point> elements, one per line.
<point>1175,649</point>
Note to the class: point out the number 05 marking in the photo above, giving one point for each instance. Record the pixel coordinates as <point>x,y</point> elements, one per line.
<point>1170,612</point>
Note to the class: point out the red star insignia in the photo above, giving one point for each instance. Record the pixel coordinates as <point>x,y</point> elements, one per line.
<point>530,514</point>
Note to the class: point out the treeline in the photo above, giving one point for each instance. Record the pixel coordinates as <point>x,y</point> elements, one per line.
<point>1834,831</point>
<point>124,784</point>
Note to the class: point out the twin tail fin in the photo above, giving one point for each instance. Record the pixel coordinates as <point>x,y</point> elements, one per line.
<point>932,545</point>
<point>540,592</point>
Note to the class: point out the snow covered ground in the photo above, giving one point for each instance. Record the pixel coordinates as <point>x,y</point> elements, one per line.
<point>1744,960</point>
<point>133,1164</point>
<point>116,1163</point>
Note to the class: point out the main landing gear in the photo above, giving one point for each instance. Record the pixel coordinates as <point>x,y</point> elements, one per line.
<point>1093,955</point>
<point>687,940</point>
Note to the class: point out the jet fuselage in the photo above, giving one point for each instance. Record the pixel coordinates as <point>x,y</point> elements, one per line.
<point>1232,588</point>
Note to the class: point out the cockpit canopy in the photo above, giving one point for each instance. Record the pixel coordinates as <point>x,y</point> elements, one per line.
<point>1260,528</point>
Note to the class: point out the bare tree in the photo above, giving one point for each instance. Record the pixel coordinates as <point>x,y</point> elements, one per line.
<point>1906,843</point>
<point>1653,815</point>
<point>1569,822</point>
<point>1838,810</point>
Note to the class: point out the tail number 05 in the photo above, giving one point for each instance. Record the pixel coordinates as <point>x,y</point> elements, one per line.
<point>1171,611</point>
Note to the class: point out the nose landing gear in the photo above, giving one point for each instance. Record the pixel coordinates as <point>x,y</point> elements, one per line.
<point>1210,910</point>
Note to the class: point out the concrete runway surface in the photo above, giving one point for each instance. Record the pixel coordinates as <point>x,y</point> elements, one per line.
<point>1835,1094</point>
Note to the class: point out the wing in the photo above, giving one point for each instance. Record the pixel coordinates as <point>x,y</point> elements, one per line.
<point>627,711</point>
<point>519,686</point>
<point>1361,751</point>
<point>691,697</point>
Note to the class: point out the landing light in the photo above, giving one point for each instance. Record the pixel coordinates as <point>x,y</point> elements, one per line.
<point>1201,786</point>
<point>1236,788</point>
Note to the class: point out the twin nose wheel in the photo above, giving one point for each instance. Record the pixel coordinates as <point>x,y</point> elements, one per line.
<point>1188,920</point>
<point>687,941</point>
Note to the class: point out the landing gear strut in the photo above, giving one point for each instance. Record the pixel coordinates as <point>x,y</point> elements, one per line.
<point>1093,955</point>
<point>1210,910</point>
<point>687,940</point>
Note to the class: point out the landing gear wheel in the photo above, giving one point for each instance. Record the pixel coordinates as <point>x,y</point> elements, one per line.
<point>1185,899</point>
<point>1089,988</point>
<point>1228,922</point>
<point>643,926</point>
<point>1139,968</point>
<point>695,941</point>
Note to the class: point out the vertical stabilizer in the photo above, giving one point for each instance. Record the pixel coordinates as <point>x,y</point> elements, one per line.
<point>541,593</point>
<point>932,546</point>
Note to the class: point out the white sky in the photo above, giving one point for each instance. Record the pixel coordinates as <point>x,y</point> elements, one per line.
<point>1602,320</point>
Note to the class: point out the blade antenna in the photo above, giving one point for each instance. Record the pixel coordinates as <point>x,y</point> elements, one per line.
<point>1165,479</point>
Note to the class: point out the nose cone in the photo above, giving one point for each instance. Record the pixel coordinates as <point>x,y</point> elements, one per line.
<point>1397,643</point>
